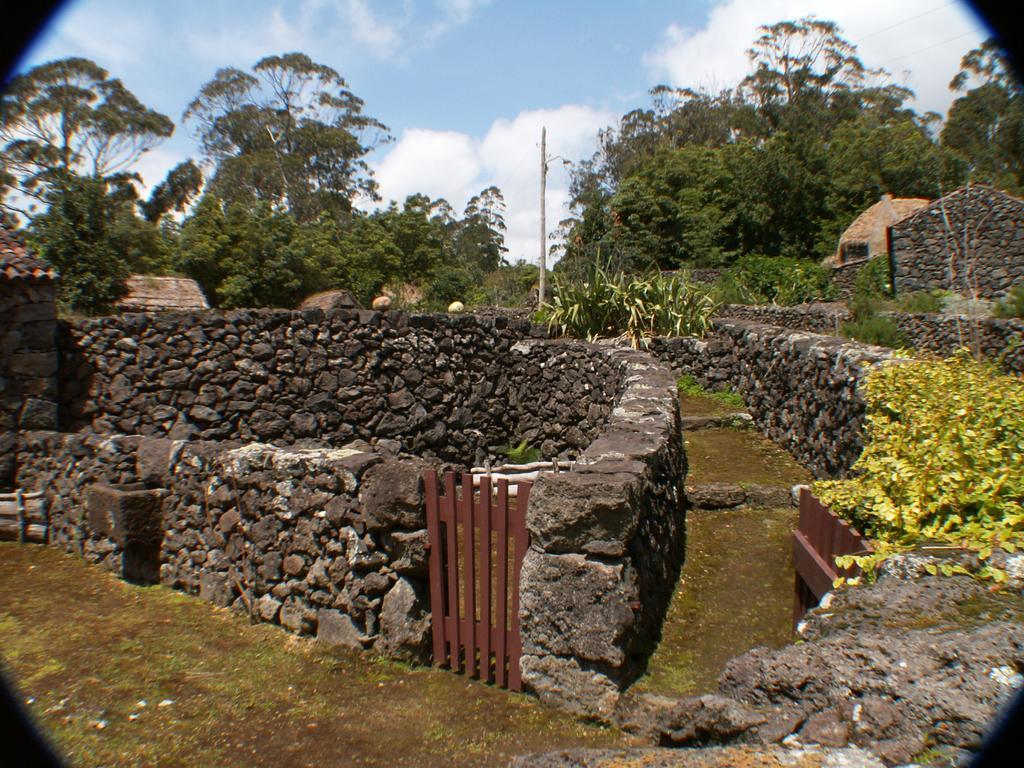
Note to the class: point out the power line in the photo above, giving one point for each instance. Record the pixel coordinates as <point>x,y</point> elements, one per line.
<point>935,45</point>
<point>901,23</point>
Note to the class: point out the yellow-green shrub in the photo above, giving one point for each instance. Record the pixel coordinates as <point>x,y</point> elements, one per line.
<point>943,460</point>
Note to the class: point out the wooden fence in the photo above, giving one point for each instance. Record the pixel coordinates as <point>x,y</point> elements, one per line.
<point>820,538</point>
<point>23,517</point>
<point>477,545</point>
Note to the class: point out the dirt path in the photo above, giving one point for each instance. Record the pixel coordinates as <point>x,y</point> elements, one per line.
<point>736,587</point>
<point>121,675</point>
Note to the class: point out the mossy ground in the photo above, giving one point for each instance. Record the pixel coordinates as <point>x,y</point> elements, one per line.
<point>735,592</point>
<point>729,455</point>
<point>87,649</point>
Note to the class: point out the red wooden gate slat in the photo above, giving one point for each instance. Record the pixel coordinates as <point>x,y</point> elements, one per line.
<point>822,536</point>
<point>462,641</point>
<point>469,571</point>
<point>451,555</point>
<point>501,614</point>
<point>484,516</point>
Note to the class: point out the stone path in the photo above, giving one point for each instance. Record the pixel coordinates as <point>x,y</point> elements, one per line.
<point>735,590</point>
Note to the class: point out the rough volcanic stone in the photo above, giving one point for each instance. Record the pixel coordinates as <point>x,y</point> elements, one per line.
<point>216,588</point>
<point>391,494</point>
<point>338,629</point>
<point>574,512</point>
<point>573,606</point>
<point>405,623</point>
<point>564,683</point>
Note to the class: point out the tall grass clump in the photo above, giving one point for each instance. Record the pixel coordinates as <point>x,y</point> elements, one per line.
<point>604,304</point>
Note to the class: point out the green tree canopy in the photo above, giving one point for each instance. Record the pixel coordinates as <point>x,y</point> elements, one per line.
<point>289,133</point>
<point>70,117</point>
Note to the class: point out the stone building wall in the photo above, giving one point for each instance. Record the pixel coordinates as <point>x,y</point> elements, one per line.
<point>453,387</point>
<point>970,241</point>
<point>28,364</point>
<point>802,389</point>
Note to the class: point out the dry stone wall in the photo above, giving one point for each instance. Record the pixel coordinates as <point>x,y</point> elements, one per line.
<point>28,364</point>
<point>314,528</point>
<point>800,388</point>
<point>453,387</point>
<point>607,542</point>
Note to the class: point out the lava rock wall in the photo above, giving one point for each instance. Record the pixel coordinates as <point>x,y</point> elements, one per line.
<point>441,386</point>
<point>801,389</point>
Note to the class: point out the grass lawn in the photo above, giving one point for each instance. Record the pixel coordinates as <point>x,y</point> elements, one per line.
<point>122,675</point>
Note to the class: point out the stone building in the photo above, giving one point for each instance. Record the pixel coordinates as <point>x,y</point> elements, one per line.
<point>867,238</point>
<point>28,347</point>
<point>971,241</point>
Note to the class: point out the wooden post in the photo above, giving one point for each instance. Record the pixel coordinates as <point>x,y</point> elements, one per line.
<point>542,292</point>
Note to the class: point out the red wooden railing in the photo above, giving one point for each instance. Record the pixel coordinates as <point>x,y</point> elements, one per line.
<point>820,538</point>
<point>477,545</point>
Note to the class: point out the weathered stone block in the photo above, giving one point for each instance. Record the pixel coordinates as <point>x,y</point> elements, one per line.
<point>391,494</point>
<point>405,623</point>
<point>216,588</point>
<point>338,629</point>
<point>573,606</point>
<point>131,517</point>
<point>591,513</point>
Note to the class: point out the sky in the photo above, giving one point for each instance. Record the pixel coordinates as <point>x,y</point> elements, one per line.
<point>466,85</point>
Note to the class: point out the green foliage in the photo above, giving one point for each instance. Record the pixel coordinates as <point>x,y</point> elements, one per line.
<point>875,329</point>
<point>942,459</point>
<point>523,453</point>
<point>613,304</point>
<point>688,385</point>
<point>75,235</point>
<point>775,280</point>
<point>874,279</point>
<point>70,117</point>
<point>289,133</point>
<point>922,302</point>
<point>1012,304</point>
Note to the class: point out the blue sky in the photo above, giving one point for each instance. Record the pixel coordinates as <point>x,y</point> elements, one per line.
<point>465,85</point>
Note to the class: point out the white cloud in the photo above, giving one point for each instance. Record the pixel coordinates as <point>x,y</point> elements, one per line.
<point>437,163</point>
<point>381,37</point>
<point>455,166</point>
<point>919,41</point>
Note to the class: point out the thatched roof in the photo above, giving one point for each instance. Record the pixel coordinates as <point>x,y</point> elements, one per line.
<point>869,228</point>
<point>147,293</point>
<point>328,300</point>
<point>17,262</point>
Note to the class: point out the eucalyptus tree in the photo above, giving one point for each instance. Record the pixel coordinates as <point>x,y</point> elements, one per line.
<point>985,127</point>
<point>70,118</point>
<point>289,133</point>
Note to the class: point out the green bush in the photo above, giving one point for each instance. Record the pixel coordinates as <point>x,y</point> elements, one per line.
<point>605,304</point>
<point>755,279</point>
<point>1012,304</point>
<point>875,329</point>
<point>942,460</point>
<point>874,279</point>
<point>920,302</point>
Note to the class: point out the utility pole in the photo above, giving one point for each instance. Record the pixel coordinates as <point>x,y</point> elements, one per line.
<point>543,222</point>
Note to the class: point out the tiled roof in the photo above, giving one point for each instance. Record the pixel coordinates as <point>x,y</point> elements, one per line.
<point>17,263</point>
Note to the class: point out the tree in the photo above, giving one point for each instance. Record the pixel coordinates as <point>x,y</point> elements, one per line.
<point>69,117</point>
<point>985,128</point>
<point>291,134</point>
<point>75,236</point>
<point>479,242</point>
<point>174,193</point>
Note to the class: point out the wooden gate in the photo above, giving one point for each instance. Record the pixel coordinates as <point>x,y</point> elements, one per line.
<point>477,544</point>
<point>821,537</point>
